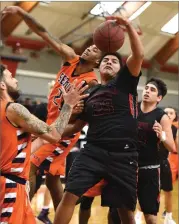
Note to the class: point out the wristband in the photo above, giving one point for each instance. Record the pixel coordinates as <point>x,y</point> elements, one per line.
<point>163,139</point>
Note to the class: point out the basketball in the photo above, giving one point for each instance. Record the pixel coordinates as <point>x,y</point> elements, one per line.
<point>108,36</point>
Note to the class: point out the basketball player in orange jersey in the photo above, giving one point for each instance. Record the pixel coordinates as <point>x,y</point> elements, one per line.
<point>16,125</point>
<point>173,158</point>
<point>50,157</point>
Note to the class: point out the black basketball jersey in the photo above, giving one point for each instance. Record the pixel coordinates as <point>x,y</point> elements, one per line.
<point>41,111</point>
<point>147,138</point>
<point>163,152</point>
<point>111,111</point>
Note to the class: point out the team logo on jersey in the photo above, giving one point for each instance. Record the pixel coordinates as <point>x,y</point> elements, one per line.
<point>103,107</point>
<point>64,81</point>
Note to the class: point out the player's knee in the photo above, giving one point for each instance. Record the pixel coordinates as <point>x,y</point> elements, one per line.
<point>150,219</point>
<point>69,199</point>
<point>86,203</point>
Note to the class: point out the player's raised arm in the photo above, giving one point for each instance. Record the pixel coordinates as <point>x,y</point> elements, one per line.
<point>65,51</point>
<point>21,117</point>
<point>134,61</point>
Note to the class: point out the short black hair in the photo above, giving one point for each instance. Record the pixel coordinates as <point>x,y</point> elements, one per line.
<point>2,68</point>
<point>118,56</point>
<point>161,86</point>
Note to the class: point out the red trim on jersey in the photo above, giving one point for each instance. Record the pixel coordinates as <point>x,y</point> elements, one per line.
<point>131,103</point>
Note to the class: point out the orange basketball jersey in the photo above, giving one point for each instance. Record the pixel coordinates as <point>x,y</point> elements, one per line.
<point>51,157</point>
<point>64,78</point>
<point>175,123</point>
<point>15,147</point>
<point>173,160</point>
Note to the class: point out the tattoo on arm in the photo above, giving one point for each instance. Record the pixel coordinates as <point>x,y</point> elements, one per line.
<point>63,119</point>
<point>37,27</point>
<point>32,22</point>
<point>39,127</point>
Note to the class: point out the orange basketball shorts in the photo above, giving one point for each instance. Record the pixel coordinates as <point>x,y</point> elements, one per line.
<point>14,203</point>
<point>173,160</point>
<point>96,189</point>
<point>51,158</point>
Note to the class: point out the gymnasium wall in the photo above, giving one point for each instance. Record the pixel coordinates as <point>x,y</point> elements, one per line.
<point>34,76</point>
<point>47,62</point>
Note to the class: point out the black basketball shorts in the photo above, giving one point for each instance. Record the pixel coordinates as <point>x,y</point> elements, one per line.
<point>165,176</point>
<point>148,190</point>
<point>119,169</point>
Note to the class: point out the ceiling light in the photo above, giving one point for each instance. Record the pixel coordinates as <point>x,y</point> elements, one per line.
<point>45,3</point>
<point>105,7</point>
<point>171,26</point>
<point>140,10</point>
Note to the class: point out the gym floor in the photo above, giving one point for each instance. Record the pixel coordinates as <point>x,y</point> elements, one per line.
<point>99,214</point>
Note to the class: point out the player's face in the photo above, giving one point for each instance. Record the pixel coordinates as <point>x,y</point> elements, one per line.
<point>91,54</point>
<point>171,113</point>
<point>109,67</point>
<point>150,94</point>
<point>11,85</point>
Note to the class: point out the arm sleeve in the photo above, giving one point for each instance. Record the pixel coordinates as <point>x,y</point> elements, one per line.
<point>126,81</point>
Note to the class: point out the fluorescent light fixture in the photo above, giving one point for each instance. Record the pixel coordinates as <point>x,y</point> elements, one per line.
<point>171,26</point>
<point>140,10</point>
<point>105,7</point>
<point>45,3</point>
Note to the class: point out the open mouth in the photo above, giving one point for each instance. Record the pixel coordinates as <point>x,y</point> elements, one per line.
<point>146,96</point>
<point>108,67</point>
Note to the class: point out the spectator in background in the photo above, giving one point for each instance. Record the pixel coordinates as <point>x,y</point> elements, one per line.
<point>39,101</point>
<point>166,171</point>
<point>28,104</point>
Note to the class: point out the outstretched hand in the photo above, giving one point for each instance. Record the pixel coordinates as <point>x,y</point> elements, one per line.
<point>119,20</point>
<point>75,94</point>
<point>10,10</point>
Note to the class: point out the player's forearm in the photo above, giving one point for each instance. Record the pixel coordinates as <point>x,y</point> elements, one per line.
<point>73,118</point>
<point>60,124</point>
<point>62,49</point>
<point>73,128</point>
<point>69,130</point>
<point>136,44</point>
<point>36,144</point>
<point>31,22</point>
<point>169,144</point>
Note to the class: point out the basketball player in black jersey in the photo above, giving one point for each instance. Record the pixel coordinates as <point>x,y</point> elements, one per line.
<point>111,150</point>
<point>154,127</point>
<point>165,170</point>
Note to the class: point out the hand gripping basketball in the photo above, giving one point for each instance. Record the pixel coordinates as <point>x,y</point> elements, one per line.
<point>109,35</point>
